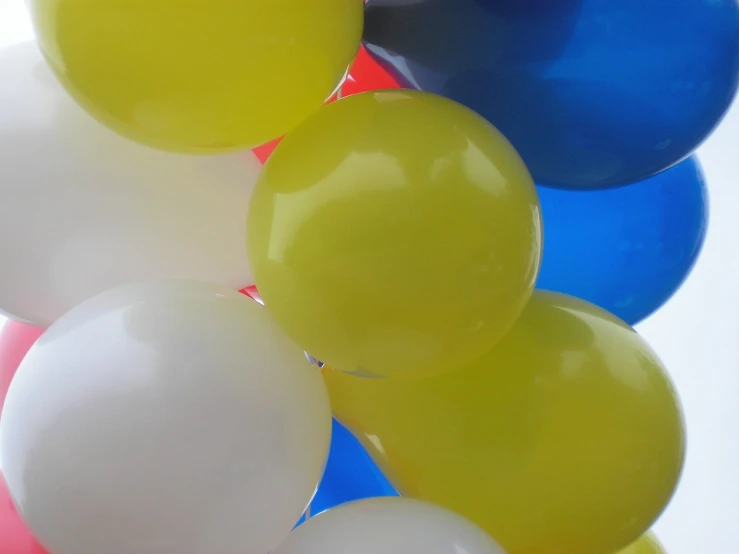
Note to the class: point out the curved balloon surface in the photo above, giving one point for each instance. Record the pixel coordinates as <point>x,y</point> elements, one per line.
<point>84,210</point>
<point>626,249</point>
<point>15,538</point>
<point>356,223</point>
<point>16,339</point>
<point>647,544</point>
<point>389,526</point>
<point>203,76</point>
<point>164,417</point>
<point>591,93</point>
<point>566,436</point>
<point>350,474</point>
<point>364,75</point>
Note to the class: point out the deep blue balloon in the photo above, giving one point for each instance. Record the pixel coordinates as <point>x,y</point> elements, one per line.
<point>350,474</point>
<point>592,93</point>
<point>626,249</point>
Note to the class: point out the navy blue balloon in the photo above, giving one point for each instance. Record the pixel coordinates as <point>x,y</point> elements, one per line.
<point>592,93</point>
<point>626,249</point>
<point>350,474</point>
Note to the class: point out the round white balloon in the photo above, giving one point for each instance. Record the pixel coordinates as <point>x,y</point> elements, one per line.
<point>83,210</point>
<point>391,525</point>
<point>168,417</point>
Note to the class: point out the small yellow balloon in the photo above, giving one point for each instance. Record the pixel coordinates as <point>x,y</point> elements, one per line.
<point>565,438</point>
<point>647,544</point>
<point>199,76</point>
<point>372,208</point>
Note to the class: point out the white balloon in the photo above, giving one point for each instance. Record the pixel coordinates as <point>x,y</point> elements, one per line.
<point>391,525</point>
<point>169,417</point>
<point>83,210</point>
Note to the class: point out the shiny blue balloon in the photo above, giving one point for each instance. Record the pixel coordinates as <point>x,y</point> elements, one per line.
<point>626,249</point>
<point>592,93</point>
<point>350,474</point>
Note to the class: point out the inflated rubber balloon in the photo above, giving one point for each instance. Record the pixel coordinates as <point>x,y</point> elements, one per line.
<point>591,93</point>
<point>164,417</point>
<point>204,76</point>
<point>566,437</point>
<point>389,526</point>
<point>626,249</point>
<point>15,538</point>
<point>16,339</point>
<point>350,474</point>
<point>372,206</point>
<point>364,75</point>
<point>647,544</point>
<point>83,210</point>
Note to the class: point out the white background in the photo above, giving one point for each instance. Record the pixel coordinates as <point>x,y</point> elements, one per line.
<point>697,336</point>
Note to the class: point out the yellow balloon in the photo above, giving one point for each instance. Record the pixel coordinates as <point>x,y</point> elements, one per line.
<point>372,209</point>
<point>565,438</point>
<point>647,544</point>
<point>199,76</point>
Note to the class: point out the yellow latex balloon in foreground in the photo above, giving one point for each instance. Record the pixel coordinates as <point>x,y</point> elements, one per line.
<point>565,438</point>
<point>647,544</point>
<point>201,76</point>
<point>374,205</point>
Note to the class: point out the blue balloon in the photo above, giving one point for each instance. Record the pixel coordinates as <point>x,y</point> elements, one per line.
<point>592,93</point>
<point>350,474</point>
<point>626,249</point>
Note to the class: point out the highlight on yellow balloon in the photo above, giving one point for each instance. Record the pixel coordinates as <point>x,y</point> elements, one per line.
<point>566,437</point>
<point>202,76</point>
<point>646,544</point>
<point>372,208</point>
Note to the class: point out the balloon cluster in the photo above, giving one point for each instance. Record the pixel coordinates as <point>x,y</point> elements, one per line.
<point>459,207</point>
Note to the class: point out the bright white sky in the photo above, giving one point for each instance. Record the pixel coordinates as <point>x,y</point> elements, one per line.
<point>697,336</point>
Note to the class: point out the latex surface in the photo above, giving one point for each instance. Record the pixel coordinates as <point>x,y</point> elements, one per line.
<point>84,210</point>
<point>590,92</point>
<point>389,526</point>
<point>626,249</point>
<point>202,76</point>
<point>374,205</point>
<point>163,417</point>
<point>566,436</point>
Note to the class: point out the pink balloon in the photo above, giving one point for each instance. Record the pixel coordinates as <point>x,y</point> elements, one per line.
<point>15,538</point>
<point>16,340</point>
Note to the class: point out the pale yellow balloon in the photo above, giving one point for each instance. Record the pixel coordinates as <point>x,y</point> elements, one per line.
<point>647,544</point>
<point>565,438</point>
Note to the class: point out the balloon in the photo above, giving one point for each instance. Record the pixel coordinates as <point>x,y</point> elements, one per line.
<point>388,526</point>
<point>350,474</point>
<point>84,210</point>
<point>15,340</point>
<point>647,544</point>
<point>626,249</point>
<point>15,538</point>
<point>591,93</point>
<point>364,75</point>
<point>200,76</point>
<point>566,437</point>
<point>356,223</point>
<point>164,417</point>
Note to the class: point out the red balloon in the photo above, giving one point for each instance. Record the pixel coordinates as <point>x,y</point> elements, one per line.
<point>16,340</point>
<point>365,75</point>
<point>15,538</point>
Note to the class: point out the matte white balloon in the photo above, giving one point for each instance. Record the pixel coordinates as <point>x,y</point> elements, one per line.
<point>83,210</point>
<point>169,417</point>
<point>391,525</point>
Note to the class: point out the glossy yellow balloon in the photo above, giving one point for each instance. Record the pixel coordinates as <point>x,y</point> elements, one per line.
<point>647,544</point>
<point>200,76</point>
<point>565,438</point>
<point>375,205</point>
